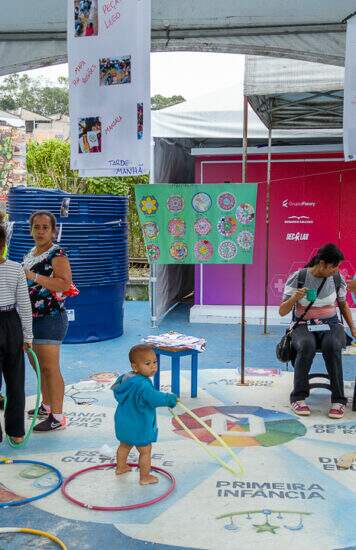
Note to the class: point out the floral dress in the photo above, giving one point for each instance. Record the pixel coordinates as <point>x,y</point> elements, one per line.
<point>43,301</point>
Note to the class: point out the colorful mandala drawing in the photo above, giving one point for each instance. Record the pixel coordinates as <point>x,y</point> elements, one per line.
<point>227,226</point>
<point>227,250</point>
<point>153,252</point>
<point>245,240</point>
<point>201,202</point>
<point>245,213</point>
<point>203,250</point>
<point>226,201</point>
<point>202,226</point>
<point>150,230</point>
<point>178,251</point>
<point>149,204</point>
<point>175,203</point>
<point>176,227</point>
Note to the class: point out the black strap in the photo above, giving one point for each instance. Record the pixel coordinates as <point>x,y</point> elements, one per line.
<point>337,283</point>
<point>302,276</point>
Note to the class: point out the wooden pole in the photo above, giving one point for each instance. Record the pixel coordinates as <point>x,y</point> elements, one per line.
<point>268,206</point>
<point>243,267</point>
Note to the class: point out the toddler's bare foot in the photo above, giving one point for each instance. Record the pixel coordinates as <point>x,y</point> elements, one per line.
<point>346,461</point>
<point>122,470</point>
<point>147,480</point>
<point>17,440</point>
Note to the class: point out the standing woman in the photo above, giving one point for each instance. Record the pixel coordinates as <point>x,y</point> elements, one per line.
<point>48,275</point>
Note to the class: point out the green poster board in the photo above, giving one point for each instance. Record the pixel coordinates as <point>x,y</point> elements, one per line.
<point>193,224</point>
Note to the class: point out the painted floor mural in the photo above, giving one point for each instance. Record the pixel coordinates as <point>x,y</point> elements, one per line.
<point>291,486</point>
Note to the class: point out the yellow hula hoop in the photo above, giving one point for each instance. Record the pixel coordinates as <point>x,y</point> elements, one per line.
<point>239,471</point>
<point>53,538</point>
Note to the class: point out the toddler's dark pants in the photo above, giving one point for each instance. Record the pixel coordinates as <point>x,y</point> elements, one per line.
<point>13,368</point>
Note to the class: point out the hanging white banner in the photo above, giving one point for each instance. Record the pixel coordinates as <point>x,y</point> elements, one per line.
<point>109,44</point>
<point>350,92</point>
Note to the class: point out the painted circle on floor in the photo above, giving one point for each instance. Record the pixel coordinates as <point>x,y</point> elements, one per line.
<point>241,426</point>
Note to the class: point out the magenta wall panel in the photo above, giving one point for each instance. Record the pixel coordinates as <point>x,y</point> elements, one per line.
<point>313,201</point>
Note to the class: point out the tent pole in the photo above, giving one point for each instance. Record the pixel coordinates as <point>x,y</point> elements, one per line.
<point>243,267</point>
<point>153,266</point>
<point>268,206</point>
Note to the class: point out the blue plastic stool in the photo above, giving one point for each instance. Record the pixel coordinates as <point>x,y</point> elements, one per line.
<point>176,354</point>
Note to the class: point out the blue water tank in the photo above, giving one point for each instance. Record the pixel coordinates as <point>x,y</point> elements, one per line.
<point>94,233</point>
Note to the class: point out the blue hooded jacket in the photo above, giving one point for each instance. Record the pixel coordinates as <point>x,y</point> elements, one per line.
<point>135,416</point>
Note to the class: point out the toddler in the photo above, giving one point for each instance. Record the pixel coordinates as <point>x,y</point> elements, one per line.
<point>135,416</point>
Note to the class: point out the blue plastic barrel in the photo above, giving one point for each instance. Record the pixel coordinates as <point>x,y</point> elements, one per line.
<point>81,208</point>
<point>95,237</point>
<point>96,314</point>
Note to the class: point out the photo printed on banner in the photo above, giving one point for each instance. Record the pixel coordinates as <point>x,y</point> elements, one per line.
<point>139,120</point>
<point>89,135</point>
<point>113,71</point>
<point>85,18</point>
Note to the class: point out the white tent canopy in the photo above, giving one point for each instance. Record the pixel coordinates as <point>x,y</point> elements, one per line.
<point>218,115</point>
<point>287,93</point>
<point>33,34</point>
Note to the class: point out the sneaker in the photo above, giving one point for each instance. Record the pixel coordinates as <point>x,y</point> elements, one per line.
<point>42,412</point>
<point>337,410</point>
<point>2,402</point>
<point>300,408</point>
<point>51,424</point>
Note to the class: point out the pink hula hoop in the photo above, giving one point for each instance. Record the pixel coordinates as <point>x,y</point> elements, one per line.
<point>144,504</point>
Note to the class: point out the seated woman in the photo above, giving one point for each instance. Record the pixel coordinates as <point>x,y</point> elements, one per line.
<point>320,328</point>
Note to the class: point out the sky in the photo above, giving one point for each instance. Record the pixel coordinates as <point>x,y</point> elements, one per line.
<point>189,74</point>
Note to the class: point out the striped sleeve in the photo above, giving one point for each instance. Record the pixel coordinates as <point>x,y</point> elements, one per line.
<point>24,306</point>
<point>341,295</point>
<point>291,286</point>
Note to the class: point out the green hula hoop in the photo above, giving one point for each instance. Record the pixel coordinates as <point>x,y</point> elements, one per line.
<point>37,405</point>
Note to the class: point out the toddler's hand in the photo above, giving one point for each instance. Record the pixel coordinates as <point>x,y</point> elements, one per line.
<point>172,400</point>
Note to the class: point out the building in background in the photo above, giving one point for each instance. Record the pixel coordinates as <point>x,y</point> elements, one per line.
<point>40,128</point>
<point>12,153</point>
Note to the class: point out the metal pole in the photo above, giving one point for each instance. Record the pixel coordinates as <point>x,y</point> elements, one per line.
<point>268,205</point>
<point>243,270</point>
<point>153,266</point>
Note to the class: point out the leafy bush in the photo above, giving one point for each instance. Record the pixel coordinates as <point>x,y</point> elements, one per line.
<point>48,165</point>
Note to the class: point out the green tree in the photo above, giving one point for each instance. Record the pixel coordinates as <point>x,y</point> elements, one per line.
<point>161,102</point>
<point>18,91</point>
<point>48,165</point>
